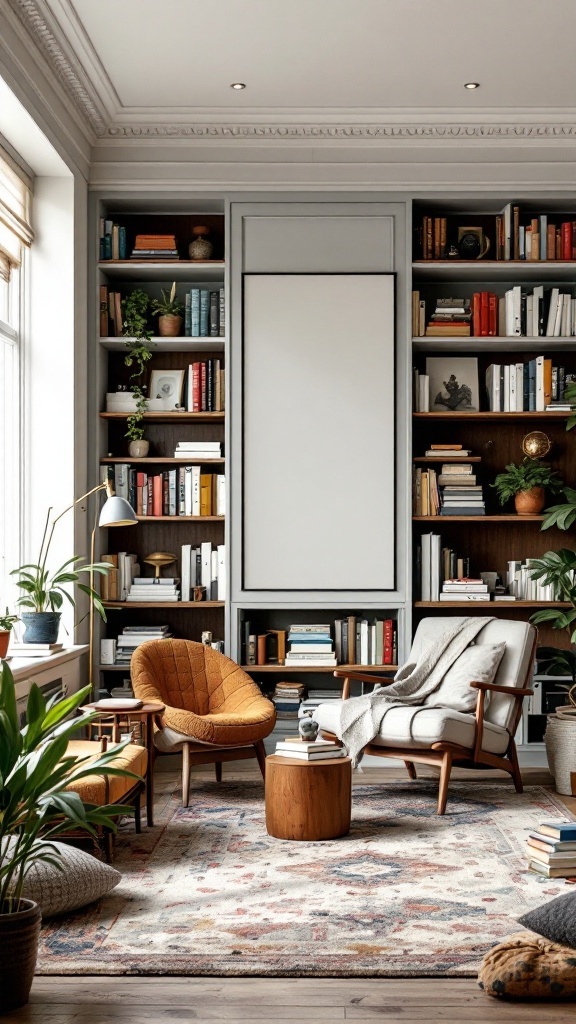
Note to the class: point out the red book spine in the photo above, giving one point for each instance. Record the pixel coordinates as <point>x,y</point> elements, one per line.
<point>388,634</point>
<point>492,314</point>
<point>484,314</point>
<point>202,387</point>
<point>567,240</point>
<point>196,397</point>
<point>157,495</point>
<point>574,239</point>
<point>476,314</point>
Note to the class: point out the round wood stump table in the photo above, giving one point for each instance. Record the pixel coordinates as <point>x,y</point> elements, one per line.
<point>308,800</point>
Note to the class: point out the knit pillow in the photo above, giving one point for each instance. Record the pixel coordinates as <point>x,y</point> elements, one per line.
<point>528,967</point>
<point>477,663</point>
<point>82,879</point>
<point>555,920</point>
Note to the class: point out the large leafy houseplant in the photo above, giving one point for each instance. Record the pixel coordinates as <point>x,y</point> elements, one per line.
<point>138,342</point>
<point>526,478</point>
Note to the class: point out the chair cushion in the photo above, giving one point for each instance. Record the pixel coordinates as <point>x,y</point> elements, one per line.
<point>513,669</point>
<point>419,727</point>
<point>527,967</point>
<point>81,879</point>
<point>478,663</point>
<point>93,788</point>
<point>555,920</point>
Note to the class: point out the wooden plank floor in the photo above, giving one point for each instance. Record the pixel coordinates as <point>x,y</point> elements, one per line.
<point>130,1000</point>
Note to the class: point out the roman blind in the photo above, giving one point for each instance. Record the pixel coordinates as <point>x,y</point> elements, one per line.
<point>15,206</point>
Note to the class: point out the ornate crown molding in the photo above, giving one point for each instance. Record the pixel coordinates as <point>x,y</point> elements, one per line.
<point>36,21</point>
<point>350,132</point>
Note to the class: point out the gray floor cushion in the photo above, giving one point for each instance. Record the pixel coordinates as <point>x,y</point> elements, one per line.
<point>81,880</point>
<point>555,920</point>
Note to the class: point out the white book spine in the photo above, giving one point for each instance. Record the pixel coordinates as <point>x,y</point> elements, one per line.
<point>558,319</point>
<point>107,652</point>
<point>506,388</point>
<point>519,387</point>
<point>540,405</point>
<point>425,568</point>
<point>529,315</point>
<point>220,494</point>
<point>122,590</point>
<point>435,555</point>
<point>195,490</point>
<point>517,292</point>
<point>187,491</point>
<point>552,312</point>
<point>185,572</point>
<point>509,314</point>
<point>222,581</point>
<point>206,566</point>
<point>364,642</point>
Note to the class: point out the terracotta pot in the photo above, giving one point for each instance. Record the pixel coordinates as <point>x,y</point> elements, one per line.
<point>4,641</point>
<point>169,325</point>
<point>530,503</point>
<point>139,449</point>
<point>19,935</point>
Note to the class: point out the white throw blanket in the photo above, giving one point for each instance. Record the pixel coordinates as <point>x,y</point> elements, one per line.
<point>362,717</point>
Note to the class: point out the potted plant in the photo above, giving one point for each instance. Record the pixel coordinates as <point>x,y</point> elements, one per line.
<point>168,309</point>
<point>34,808</point>
<point>6,623</point>
<point>44,592</point>
<point>138,341</point>
<point>526,483</point>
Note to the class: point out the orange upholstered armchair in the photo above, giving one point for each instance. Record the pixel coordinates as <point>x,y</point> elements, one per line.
<point>214,711</point>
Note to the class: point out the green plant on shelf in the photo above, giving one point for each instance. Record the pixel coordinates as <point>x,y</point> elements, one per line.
<point>168,305</point>
<point>139,343</point>
<point>519,479</point>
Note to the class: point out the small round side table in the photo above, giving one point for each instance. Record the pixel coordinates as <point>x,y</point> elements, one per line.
<point>144,714</point>
<point>308,800</point>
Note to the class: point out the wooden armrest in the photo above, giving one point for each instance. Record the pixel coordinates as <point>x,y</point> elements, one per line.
<point>512,691</point>
<point>343,674</point>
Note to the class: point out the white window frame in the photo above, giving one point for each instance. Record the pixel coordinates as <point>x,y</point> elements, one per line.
<point>12,434</point>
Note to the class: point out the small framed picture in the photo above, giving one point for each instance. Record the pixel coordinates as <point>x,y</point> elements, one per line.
<point>453,384</point>
<point>166,387</point>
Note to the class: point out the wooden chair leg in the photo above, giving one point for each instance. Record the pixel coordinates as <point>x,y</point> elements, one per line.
<point>185,775</point>
<point>411,769</point>
<point>108,844</point>
<point>515,773</point>
<point>218,767</point>
<point>137,814</point>
<point>261,756</point>
<point>445,770</point>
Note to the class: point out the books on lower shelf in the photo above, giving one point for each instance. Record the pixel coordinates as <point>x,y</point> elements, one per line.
<point>551,849</point>
<point>318,750</point>
<point>452,492</point>
<point>119,651</point>
<point>205,313</point>
<point>182,491</point>
<point>445,575</point>
<point>310,646</point>
<point>204,565</point>
<point>287,698</point>
<point>535,386</point>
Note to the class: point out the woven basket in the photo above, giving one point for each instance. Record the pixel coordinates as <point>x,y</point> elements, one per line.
<point>560,740</point>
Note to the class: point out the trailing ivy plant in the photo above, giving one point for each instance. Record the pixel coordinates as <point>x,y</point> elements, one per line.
<point>138,341</point>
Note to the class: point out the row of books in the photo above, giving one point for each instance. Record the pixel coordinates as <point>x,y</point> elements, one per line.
<point>204,565</point>
<point>518,235</point>
<point>355,641</point>
<point>315,750</point>
<point>287,698</point>
<point>204,313</point>
<point>183,491</point>
<point>112,240</point>
<point>452,492</point>
<point>518,313</point>
<point>118,581</point>
<point>444,575</point>
<point>204,387</point>
<point>535,386</point>
<point>551,849</point>
<point>522,587</point>
<point>120,650</point>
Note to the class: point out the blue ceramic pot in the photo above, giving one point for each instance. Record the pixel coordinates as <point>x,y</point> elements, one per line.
<point>40,627</point>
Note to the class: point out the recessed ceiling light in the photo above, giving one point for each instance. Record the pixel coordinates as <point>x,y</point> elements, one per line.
<point>238,85</point>
<point>472,85</point>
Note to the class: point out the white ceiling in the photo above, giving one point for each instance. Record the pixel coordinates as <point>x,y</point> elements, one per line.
<point>355,56</point>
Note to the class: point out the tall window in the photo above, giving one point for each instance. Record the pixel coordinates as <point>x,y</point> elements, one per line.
<point>15,237</point>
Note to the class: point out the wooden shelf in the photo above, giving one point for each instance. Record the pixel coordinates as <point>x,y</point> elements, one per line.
<point>494,344</point>
<point>169,417</point>
<point>492,604</point>
<point>161,460</point>
<point>180,519</point>
<point>479,519</point>
<point>495,270</point>
<point>424,458</point>
<point>120,605</point>
<point>492,415</point>
<point>169,344</point>
<point>163,270</point>
<point>283,669</point>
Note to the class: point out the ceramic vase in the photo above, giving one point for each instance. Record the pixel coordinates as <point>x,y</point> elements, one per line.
<point>139,449</point>
<point>169,325</point>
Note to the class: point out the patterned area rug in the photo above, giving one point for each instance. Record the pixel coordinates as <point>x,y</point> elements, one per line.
<point>208,892</point>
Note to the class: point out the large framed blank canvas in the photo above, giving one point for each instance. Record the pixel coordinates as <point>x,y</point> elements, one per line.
<point>318,432</point>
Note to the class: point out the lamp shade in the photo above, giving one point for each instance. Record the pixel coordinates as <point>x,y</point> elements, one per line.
<point>117,512</point>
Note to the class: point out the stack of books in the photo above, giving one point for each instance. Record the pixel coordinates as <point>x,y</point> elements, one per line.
<point>112,240</point>
<point>523,588</point>
<point>145,589</point>
<point>310,646</point>
<point>287,698</point>
<point>460,495</point>
<point>131,637</point>
<point>434,238</point>
<point>315,750</point>
<point>464,590</point>
<point>552,849</point>
<point>451,319</point>
<point>155,247</point>
<point>33,650</point>
<point>198,450</point>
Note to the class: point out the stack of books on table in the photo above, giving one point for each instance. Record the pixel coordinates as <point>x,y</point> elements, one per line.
<point>552,849</point>
<point>465,590</point>
<point>310,646</point>
<point>287,698</point>
<point>145,588</point>
<point>450,319</point>
<point>315,750</point>
<point>198,450</point>
<point>33,650</point>
<point>317,697</point>
<point>460,495</point>
<point>130,638</point>
<point>155,247</point>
